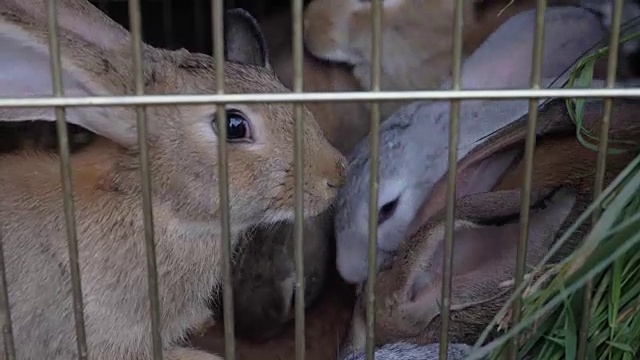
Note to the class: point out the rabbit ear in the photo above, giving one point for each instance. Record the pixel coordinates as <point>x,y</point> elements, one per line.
<point>477,173</point>
<point>81,18</point>
<point>484,251</point>
<point>483,167</point>
<point>504,60</point>
<point>244,42</point>
<point>25,71</point>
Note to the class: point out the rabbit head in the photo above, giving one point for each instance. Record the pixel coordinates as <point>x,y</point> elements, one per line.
<point>486,228</point>
<point>414,141</point>
<point>96,59</point>
<point>96,62</point>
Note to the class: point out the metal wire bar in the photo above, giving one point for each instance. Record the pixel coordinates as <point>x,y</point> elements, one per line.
<point>217,9</point>
<point>376,69</point>
<point>7,328</point>
<point>614,39</point>
<point>315,97</point>
<point>525,194</point>
<point>135,24</point>
<point>167,22</point>
<point>298,82</point>
<point>454,135</point>
<point>67,190</point>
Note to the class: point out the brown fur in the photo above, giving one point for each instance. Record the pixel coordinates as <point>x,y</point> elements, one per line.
<point>107,194</point>
<point>559,160</point>
<point>400,316</point>
<point>417,47</point>
<point>264,273</point>
<point>343,123</point>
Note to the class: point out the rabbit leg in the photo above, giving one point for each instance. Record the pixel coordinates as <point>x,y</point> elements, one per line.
<point>191,354</point>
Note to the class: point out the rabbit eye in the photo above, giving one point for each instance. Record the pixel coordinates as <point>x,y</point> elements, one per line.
<point>387,210</point>
<point>238,128</point>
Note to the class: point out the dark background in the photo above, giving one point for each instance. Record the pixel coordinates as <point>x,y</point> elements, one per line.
<point>185,24</point>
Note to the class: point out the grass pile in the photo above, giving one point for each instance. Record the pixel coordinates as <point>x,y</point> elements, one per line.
<point>552,305</point>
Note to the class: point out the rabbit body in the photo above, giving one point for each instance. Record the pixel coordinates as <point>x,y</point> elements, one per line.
<point>417,37</point>
<point>106,183</point>
<point>264,273</point>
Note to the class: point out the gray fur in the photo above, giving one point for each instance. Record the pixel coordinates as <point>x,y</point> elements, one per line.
<point>414,140</point>
<point>408,351</point>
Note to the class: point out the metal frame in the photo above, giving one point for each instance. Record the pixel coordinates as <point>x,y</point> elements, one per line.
<point>297,97</point>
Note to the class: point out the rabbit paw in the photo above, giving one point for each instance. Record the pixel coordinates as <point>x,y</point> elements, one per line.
<point>191,354</point>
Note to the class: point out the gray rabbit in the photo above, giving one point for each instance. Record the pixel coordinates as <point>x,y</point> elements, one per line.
<point>414,141</point>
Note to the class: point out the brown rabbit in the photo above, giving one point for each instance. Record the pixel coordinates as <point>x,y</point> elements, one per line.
<point>407,308</point>
<point>264,273</point>
<point>96,60</point>
<point>416,37</point>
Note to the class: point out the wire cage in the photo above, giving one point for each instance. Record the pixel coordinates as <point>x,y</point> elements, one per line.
<point>190,22</point>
